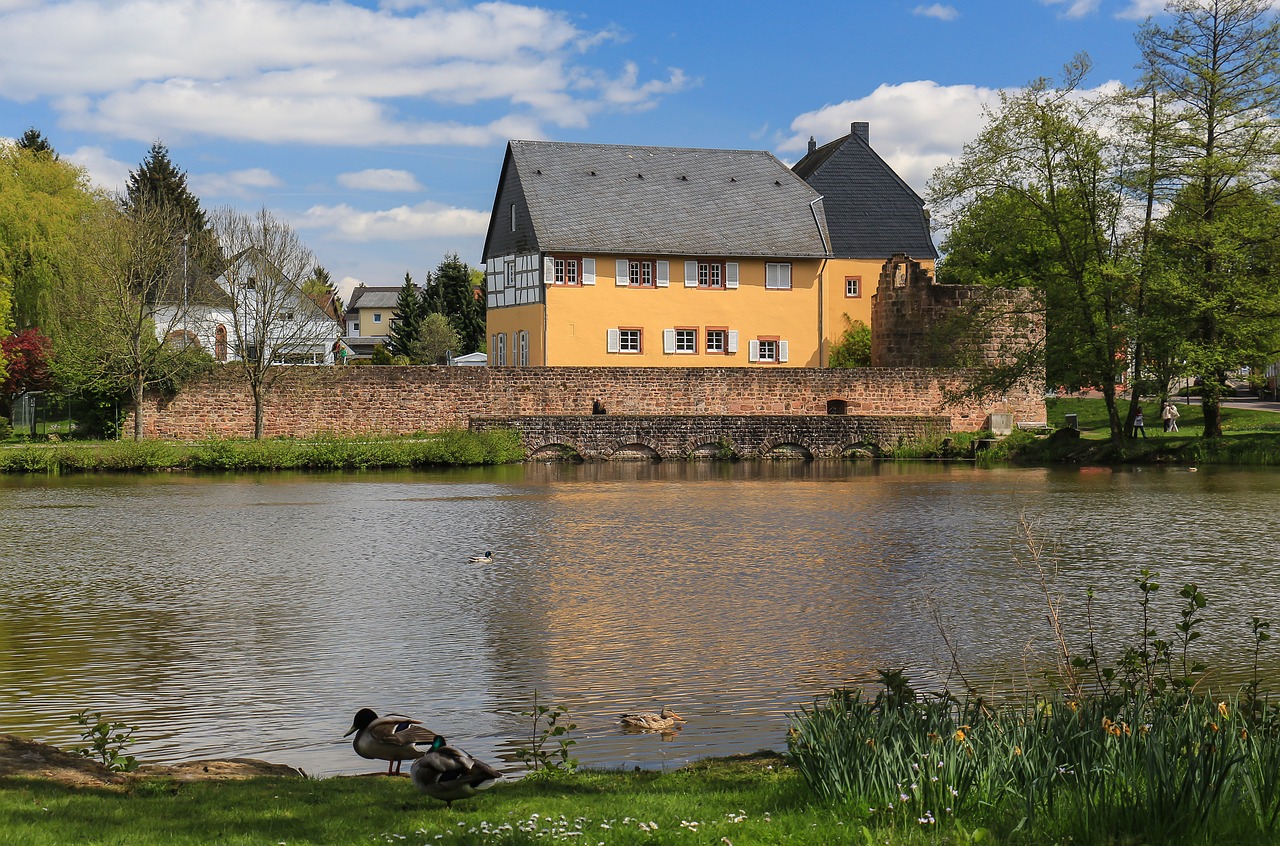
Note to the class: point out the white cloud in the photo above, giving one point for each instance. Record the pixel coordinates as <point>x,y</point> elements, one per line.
<point>424,220</point>
<point>380,179</point>
<point>914,126</point>
<point>1076,8</point>
<point>940,11</point>
<point>103,171</point>
<point>1138,10</point>
<point>237,183</point>
<point>306,71</point>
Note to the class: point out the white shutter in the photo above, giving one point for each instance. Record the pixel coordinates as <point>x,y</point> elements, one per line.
<point>669,341</point>
<point>691,274</point>
<point>613,341</point>
<point>664,274</point>
<point>782,351</point>
<point>622,274</point>
<point>588,271</point>
<point>732,343</point>
<point>753,350</point>
<point>548,270</point>
<point>731,274</point>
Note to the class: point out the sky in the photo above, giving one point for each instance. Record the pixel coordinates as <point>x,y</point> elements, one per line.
<point>377,129</point>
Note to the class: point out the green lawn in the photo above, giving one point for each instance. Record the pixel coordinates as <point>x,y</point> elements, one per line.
<point>1093,418</point>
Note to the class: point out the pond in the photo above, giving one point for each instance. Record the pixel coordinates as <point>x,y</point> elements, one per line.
<point>253,615</point>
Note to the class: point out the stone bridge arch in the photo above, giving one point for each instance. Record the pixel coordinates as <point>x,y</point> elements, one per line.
<point>788,446</point>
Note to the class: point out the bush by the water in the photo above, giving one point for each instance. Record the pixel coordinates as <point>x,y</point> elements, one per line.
<point>448,448</point>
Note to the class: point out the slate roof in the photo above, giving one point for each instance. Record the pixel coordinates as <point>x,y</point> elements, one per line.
<point>871,212</point>
<point>621,199</point>
<point>366,297</point>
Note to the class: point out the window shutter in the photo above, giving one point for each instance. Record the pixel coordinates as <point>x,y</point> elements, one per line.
<point>669,341</point>
<point>691,274</point>
<point>753,350</point>
<point>782,351</point>
<point>613,341</point>
<point>622,275</point>
<point>548,270</point>
<point>731,274</point>
<point>731,344</point>
<point>588,271</point>
<point>664,274</point>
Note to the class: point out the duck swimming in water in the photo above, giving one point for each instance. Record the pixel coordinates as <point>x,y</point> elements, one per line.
<point>664,719</point>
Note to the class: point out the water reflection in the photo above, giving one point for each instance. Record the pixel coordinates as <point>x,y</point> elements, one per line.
<point>254,615</point>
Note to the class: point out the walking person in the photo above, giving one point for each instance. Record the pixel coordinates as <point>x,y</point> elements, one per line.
<point>1139,425</point>
<point>1171,417</point>
<point>1165,416</point>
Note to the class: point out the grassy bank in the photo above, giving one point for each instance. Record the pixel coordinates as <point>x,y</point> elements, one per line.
<point>439,449</point>
<point>1249,438</point>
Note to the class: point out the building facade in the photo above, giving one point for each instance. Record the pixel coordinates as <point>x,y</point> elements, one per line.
<point>616,255</point>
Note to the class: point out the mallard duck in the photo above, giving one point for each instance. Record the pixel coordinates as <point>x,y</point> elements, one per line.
<point>394,738</point>
<point>487,558</point>
<point>664,719</point>
<point>448,773</point>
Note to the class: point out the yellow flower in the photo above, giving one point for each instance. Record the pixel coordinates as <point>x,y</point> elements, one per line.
<point>1017,750</point>
<point>1071,703</point>
<point>1213,726</point>
<point>1244,735</point>
<point>1223,710</point>
<point>958,736</point>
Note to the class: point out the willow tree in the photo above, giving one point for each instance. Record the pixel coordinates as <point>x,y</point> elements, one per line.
<point>1041,152</point>
<point>1218,63</point>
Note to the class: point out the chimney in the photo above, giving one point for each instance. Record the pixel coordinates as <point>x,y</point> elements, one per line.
<point>862,129</point>
<point>813,145</point>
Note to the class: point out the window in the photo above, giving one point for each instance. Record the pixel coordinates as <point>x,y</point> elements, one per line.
<point>767,350</point>
<point>629,340</point>
<point>641,274</point>
<point>513,217</point>
<point>377,317</point>
<point>355,330</point>
<point>686,341</point>
<point>777,275</point>
<point>680,341</point>
<point>565,272</point>
<point>715,341</point>
<point>522,349</point>
<point>710,275</point>
<point>853,286</point>
<point>500,349</point>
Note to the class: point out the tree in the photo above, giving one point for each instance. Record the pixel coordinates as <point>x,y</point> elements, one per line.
<point>319,287</point>
<point>1043,156</point>
<point>43,203</point>
<point>436,340</point>
<point>450,292</point>
<point>854,347</point>
<point>27,354</point>
<point>121,326</point>
<point>157,182</point>
<point>1219,65</point>
<point>406,332</point>
<point>272,322</point>
<point>34,140</point>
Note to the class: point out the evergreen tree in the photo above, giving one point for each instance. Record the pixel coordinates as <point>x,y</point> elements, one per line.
<point>34,140</point>
<point>406,330</point>
<point>466,311</point>
<point>319,287</point>
<point>158,181</point>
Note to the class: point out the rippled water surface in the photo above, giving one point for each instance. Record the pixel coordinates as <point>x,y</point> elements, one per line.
<point>251,616</point>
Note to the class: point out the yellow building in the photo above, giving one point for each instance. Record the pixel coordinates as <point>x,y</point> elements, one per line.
<point>614,255</point>
<point>368,319</point>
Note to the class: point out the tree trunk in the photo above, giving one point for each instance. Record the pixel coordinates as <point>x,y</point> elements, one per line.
<point>136,389</point>
<point>258,412</point>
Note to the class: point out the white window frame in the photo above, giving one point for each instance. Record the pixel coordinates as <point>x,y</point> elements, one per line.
<point>777,276</point>
<point>853,286</point>
<point>564,271</point>
<point>377,317</point>
<point>522,348</point>
<point>630,341</point>
<point>500,349</point>
<point>686,341</point>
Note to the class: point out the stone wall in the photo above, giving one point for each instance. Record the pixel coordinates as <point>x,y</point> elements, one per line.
<point>915,322</point>
<point>683,436</point>
<point>394,400</point>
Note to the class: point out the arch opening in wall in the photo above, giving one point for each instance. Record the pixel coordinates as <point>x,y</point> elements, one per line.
<point>634,452</point>
<point>712,449</point>
<point>786,451</point>
<point>837,406</point>
<point>860,451</point>
<point>556,452</point>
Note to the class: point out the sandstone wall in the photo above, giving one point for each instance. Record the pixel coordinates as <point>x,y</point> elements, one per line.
<point>401,400</point>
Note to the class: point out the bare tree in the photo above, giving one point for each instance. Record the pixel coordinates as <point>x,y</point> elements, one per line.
<point>273,324</point>
<point>121,324</point>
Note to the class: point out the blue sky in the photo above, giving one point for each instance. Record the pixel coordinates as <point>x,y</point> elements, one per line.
<point>378,128</point>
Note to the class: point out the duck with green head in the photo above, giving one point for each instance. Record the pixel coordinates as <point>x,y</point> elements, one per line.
<point>448,773</point>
